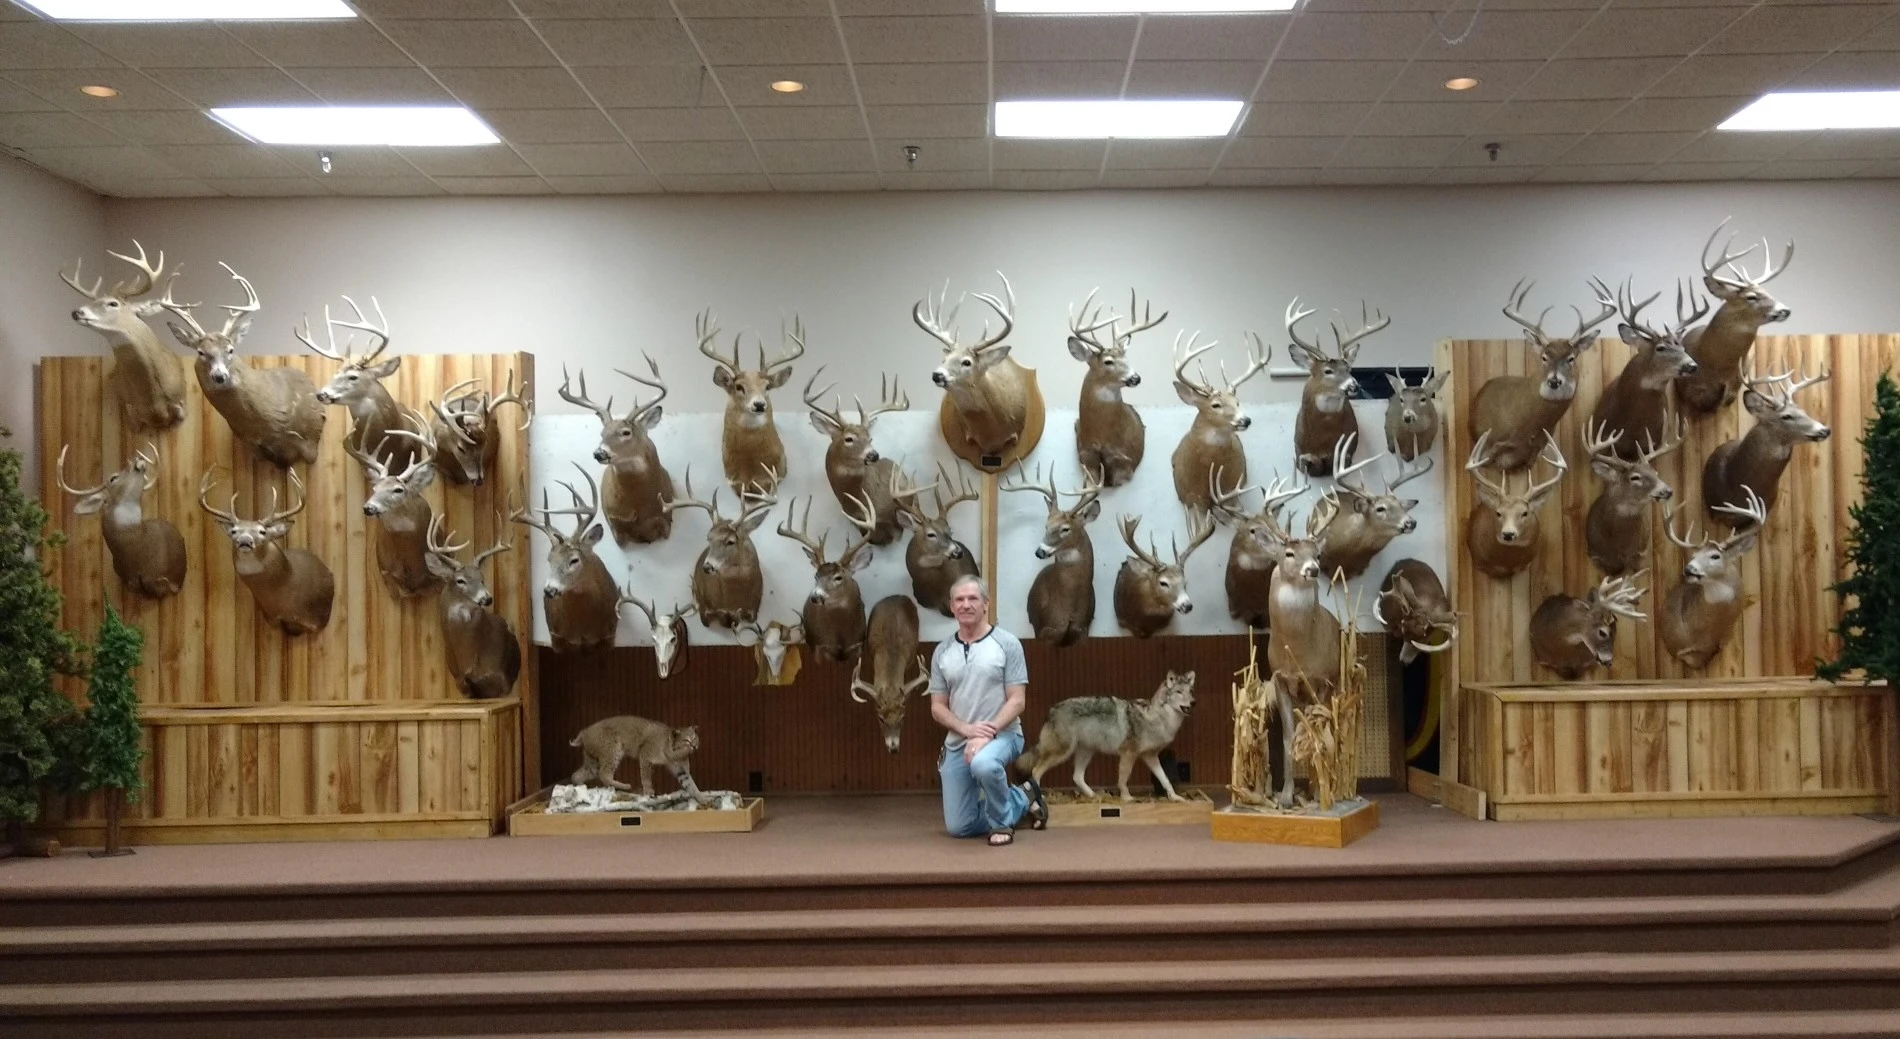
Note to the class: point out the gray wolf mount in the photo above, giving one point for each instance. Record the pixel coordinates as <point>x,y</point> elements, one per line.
<point>1084,726</point>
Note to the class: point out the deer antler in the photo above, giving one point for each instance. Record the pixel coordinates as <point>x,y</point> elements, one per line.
<point>707,331</point>
<point>1369,323</point>
<point>1513,309</point>
<point>811,398</point>
<point>929,316</point>
<point>526,404</point>
<point>181,310</point>
<point>1672,439</point>
<point>966,491</point>
<point>142,282</point>
<point>859,509</point>
<point>1007,312</point>
<point>1620,595</point>
<point>1599,440</point>
<point>1128,525</point>
<point>237,311</point>
<point>1042,486</point>
<point>1185,354</point>
<point>1342,450</point>
<point>1554,456</point>
<point>1754,511</point>
<point>73,280</point>
<point>1690,539</point>
<point>605,411</point>
<point>1258,354</point>
<point>891,398</point>
<point>1224,504</point>
<point>1294,315</point>
<point>1200,528</point>
<point>585,509</point>
<point>147,464</point>
<point>795,336</point>
<point>760,500</point>
<point>1478,461</point>
<point>858,684</point>
<point>440,540</point>
<point>1087,322</point>
<point>378,333</point>
<point>625,597</point>
<point>60,473</point>
<point>689,501</point>
<point>814,550</point>
<point>1768,387</point>
<point>204,490</point>
<point>1146,322</point>
<point>497,548</point>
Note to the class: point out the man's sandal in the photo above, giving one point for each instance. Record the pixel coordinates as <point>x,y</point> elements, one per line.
<point>1001,838</point>
<point>1038,811</point>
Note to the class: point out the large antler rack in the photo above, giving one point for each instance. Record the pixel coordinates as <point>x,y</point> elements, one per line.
<point>138,285</point>
<point>1732,260</point>
<point>378,331</point>
<point>929,316</point>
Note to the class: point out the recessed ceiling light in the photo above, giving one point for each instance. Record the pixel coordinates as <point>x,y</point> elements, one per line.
<point>189,10</point>
<point>787,86</point>
<point>1141,6</point>
<point>1461,83</point>
<point>1093,119</point>
<point>99,90</point>
<point>421,126</point>
<point>1820,110</point>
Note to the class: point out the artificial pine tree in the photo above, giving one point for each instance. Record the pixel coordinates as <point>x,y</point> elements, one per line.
<point>1870,627</point>
<point>33,650</point>
<point>112,752</point>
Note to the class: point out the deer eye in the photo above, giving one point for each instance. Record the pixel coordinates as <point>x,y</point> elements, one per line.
<point>850,440</point>
<point>966,362</point>
<point>461,582</point>
<point>625,433</point>
<point>1603,633</point>
<point>1216,405</point>
<point>112,304</point>
<point>399,489</point>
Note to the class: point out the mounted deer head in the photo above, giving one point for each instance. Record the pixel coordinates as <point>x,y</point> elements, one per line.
<point>148,553</point>
<point>1062,597</point>
<point>217,351</point>
<point>727,583</point>
<point>1616,532</point>
<point>1519,411</point>
<point>1701,612</point>
<point>580,598</point>
<point>892,644</point>
<point>1109,435</point>
<point>637,486</point>
<point>396,499</point>
<point>145,376</point>
<point>484,655</point>
<point>988,392</point>
<point>852,464</point>
<point>1212,441</point>
<point>1501,531</point>
<point>1415,611</point>
<point>1757,460</point>
<point>465,428</point>
<point>1634,402</point>
<point>292,587</point>
<point>1371,520</point>
<point>935,558</point>
<point>1255,551</point>
<point>358,383</point>
<point>1149,592</point>
<point>750,447</point>
<point>1411,415</point>
<point>833,615</point>
<point>1721,346</point>
<point>1572,636</point>
<point>670,639</point>
<point>1326,416</point>
<point>773,643</point>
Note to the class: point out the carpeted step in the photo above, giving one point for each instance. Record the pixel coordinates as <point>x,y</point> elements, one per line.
<point>972,996</point>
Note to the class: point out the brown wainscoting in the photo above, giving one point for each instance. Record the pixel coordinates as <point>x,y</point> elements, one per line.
<point>810,736</point>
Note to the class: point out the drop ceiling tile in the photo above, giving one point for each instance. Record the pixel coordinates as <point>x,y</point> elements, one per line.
<point>165,128</point>
<point>1884,36</point>
<point>1781,30</point>
<point>1043,180</point>
<point>1331,81</point>
<point>1425,80</point>
<point>1406,119</point>
<point>1590,174</point>
<point>891,121</point>
<point>1371,176</point>
<point>582,160</point>
<point>495,186</point>
<point>750,86</point>
<point>644,185</point>
<point>1611,149</point>
<point>61,88</point>
<point>807,124</point>
<point>1535,117</point>
<point>1357,36</point>
<point>550,125</point>
<point>715,183</point>
<point>1729,75</point>
<point>921,84</point>
<point>383,187</point>
<point>1393,152</point>
<point>53,130</point>
<point>1673,113</point>
<point>648,86</point>
<point>480,9</point>
<point>597,9</point>
<point>10,13</point>
<point>888,8</point>
<point>825,181</point>
<point>1513,150</point>
<point>491,161</point>
<point>1209,37</point>
<point>668,158</point>
<point>42,45</point>
<point>1689,171</point>
<point>514,88</point>
<point>916,38</point>
<point>1505,35</point>
<point>1857,70</point>
<point>1832,145</point>
<point>1789,169</point>
<point>348,163</point>
<point>177,45</point>
<point>817,157</point>
<point>1260,178</point>
<point>1282,152</point>
<point>937,155</point>
<point>918,180</point>
<point>351,86</point>
<point>678,124</point>
<point>764,41</point>
<point>1058,79</point>
<point>135,188</point>
<point>219,161</point>
<point>1594,78</point>
<point>1480,175</point>
<point>213,87</point>
<point>1148,179</point>
<point>748,8</point>
<point>1729,146</point>
<point>1012,154</point>
<point>623,41</point>
<point>1880,170</point>
<point>444,43</point>
<point>1194,79</point>
<point>1166,155</point>
<point>353,43</point>
<point>118,162</point>
<point>1313,119</point>
<point>268,187</point>
<point>1659,31</point>
<point>15,98</point>
<point>1074,38</point>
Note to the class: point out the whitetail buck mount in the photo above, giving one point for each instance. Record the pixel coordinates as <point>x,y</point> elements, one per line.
<point>892,645</point>
<point>293,589</point>
<point>1109,435</point>
<point>1635,403</point>
<point>1212,443</point>
<point>1616,530</point>
<point>1721,346</point>
<point>467,436</point>
<point>580,599</point>
<point>1411,415</point>
<point>728,585</point>
<point>1062,597</point>
<point>1415,611</point>
<point>146,377</point>
<point>671,641</point>
<point>853,466</point>
<point>749,447</point>
<point>398,503</point>
<point>1326,417</point>
<point>1255,550</point>
<point>1148,591</point>
<point>935,558</point>
<point>1757,460</point>
<point>1304,636</point>
<point>635,485</point>
<point>148,553</point>
<point>1699,614</point>
<point>483,650</point>
<point>992,410</point>
<point>775,646</point>
<point>1573,636</point>
<point>275,410</point>
<point>1519,411</point>
<point>1369,521</point>
<point>357,384</point>
<point>1501,532</point>
<point>833,614</point>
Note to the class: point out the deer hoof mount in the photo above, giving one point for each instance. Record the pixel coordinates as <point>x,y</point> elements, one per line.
<point>992,412</point>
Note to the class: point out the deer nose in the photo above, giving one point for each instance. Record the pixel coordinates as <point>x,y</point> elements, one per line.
<point>1507,535</point>
<point>1309,569</point>
<point>1132,380</point>
<point>326,396</point>
<point>371,509</point>
<point>758,406</point>
<point>939,378</point>
<point>1663,494</point>
<point>1687,367</point>
<point>1042,552</point>
<point>1243,422</point>
<point>1351,388</point>
<point>871,457</point>
<point>890,744</point>
<point>220,378</point>
<point>550,591</point>
<point>1408,526</point>
<point>1185,607</point>
<point>1822,435</point>
<point>956,551</point>
<point>601,455</point>
<point>1779,314</point>
<point>79,315</point>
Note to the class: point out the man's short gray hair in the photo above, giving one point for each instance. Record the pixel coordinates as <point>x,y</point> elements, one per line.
<point>981,588</point>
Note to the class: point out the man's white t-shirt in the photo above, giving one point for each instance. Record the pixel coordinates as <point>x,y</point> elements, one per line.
<point>976,676</point>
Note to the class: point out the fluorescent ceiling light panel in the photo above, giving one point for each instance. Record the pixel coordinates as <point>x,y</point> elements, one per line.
<point>1093,119</point>
<point>189,10</point>
<point>425,126</point>
<point>1820,110</point>
<point>1141,6</point>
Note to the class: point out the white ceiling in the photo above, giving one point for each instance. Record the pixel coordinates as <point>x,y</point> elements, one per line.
<point>633,96</point>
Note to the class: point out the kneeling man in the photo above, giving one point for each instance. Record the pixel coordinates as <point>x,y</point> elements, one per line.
<point>978,684</point>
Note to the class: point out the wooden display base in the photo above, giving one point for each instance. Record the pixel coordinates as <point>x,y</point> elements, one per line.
<point>1306,831</point>
<point>530,817</point>
<point>1193,811</point>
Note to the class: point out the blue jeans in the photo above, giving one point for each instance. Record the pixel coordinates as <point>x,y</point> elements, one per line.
<point>1002,805</point>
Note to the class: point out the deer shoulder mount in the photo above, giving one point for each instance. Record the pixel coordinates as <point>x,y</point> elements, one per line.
<point>1573,636</point>
<point>1415,611</point>
<point>1757,460</point>
<point>992,411</point>
<point>1255,550</point>
<point>1720,347</point>
<point>1110,437</point>
<point>1636,402</point>
<point>670,639</point>
<point>853,466</point>
<point>892,639</point>
<point>293,589</point>
<point>1303,643</point>
<point>1370,520</point>
<point>775,648</point>
<point>1699,614</point>
<point>484,653</point>
<point>148,553</point>
<point>833,614</point>
<point>1616,530</point>
<point>274,410</point>
<point>1149,591</point>
<point>467,436</point>
<point>1501,531</point>
<point>1212,442</point>
<point>749,446</point>
<point>728,585</point>
<point>146,377</point>
<point>580,598</point>
<point>1326,416</point>
<point>935,558</point>
<point>1518,411</point>
<point>358,383</point>
<point>1062,597</point>
<point>398,502</point>
<point>1411,415</point>
<point>635,486</point>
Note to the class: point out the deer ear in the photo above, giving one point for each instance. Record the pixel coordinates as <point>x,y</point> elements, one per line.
<point>593,535</point>
<point>1746,543</point>
<point>1392,379</point>
<point>1300,355</point>
<point>1632,335</point>
<point>820,423</point>
<point>147,308</point>
<point>1088,515</point>
<point>277,530</point>
<point>442,570</point>
<point>1408,504</point>
<point>1350,353</point>
<point>90,504</point>
<point>721,377</point>
<point>1186,393</point>
<point>860,560</point>
<point>385,369</point>
<point>1489,500</point>
<point>992,357</point>
<point>1756,404</point>
<point>1716,288</point>
<point>752,522</point>
<point>241,329</point>
<point>1437,382</point>
<point>1603,468</point>
<point>185,339</point>
<point>420,480</point>
<point>651,416</point>
<point>779,377</point>
<point>1079,350</point>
